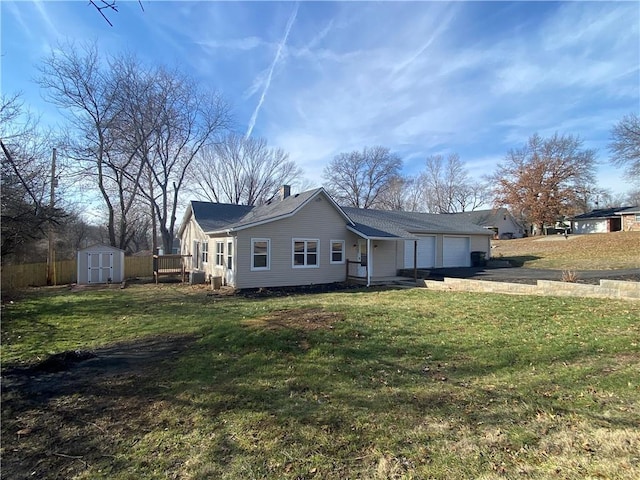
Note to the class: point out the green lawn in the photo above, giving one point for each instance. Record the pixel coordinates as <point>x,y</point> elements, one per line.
<point>366,384</point>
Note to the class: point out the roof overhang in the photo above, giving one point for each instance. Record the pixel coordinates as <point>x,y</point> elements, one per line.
<point>376,237</point>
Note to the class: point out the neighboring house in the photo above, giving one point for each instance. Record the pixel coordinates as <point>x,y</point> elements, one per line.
<point>602,220</point>
<point>630,219</point>
<point>499,220</point>
<point>307,238</point>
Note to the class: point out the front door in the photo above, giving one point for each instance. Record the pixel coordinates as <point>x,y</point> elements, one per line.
<point>363,257</point>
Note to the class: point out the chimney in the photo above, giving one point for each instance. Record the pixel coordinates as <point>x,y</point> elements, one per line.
<point>285,191</point>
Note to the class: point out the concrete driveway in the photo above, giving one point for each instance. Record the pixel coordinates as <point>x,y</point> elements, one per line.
<point>531,275</point>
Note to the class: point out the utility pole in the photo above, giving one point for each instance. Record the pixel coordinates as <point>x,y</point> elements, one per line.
<point>51,266</point>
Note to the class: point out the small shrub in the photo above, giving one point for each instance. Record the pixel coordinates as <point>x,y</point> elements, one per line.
<point>569,276</point>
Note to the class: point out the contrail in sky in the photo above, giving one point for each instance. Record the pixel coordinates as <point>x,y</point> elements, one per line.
<point>252,122</point>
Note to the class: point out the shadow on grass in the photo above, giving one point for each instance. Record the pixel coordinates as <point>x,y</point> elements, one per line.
<point>520,260</point>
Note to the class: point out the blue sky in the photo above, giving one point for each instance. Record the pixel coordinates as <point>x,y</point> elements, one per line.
<point>422,78</point>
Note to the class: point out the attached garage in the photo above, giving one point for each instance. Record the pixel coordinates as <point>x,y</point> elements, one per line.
<point>455,252</point>
<point>598,221</point>
<point>100,264</point>
<point>425,253</point>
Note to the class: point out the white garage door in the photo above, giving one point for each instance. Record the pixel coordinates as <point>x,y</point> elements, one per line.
<point>426,254</point>
<point>456,252</point>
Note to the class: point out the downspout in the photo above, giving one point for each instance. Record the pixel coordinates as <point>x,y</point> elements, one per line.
<point>369,261</point>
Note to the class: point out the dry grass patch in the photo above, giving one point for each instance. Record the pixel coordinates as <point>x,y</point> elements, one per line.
<point>598,251</point>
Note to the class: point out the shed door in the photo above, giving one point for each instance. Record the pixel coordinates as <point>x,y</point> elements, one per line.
<point>426,254</point>
<point>100,267</point>
<point>455,252</point>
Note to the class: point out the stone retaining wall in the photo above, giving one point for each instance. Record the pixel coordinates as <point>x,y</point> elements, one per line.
<point>607,289</point>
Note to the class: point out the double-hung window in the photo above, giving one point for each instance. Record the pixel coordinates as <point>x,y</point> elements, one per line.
<point>205,252</point>
<point>305,253</point>
<point>337,251</point>
<point>220,254</point>
<point>260,253</point>
<point>230,255</point>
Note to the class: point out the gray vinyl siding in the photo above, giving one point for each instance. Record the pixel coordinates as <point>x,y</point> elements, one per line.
<point>316,220</point>
<point>480,243</point>
<point>384,258</point>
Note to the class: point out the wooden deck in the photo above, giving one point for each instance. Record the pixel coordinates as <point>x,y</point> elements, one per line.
<point>166,265</point>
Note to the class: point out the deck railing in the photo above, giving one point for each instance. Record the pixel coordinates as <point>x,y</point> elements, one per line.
<point>352,269</point>
<point>169,265</point>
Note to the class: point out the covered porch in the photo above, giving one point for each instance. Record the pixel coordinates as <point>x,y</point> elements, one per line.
<point>396,280</point>
<point>375,260</point>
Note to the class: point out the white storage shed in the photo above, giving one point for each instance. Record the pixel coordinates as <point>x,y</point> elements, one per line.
<point>100,264</point>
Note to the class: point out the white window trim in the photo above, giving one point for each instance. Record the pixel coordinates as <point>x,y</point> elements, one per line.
<point>331,242</point>
<point>220,257</point>
<point>293,252</point>
<point>268,267</point>
<point>204,252</point>
<point>229,254</point>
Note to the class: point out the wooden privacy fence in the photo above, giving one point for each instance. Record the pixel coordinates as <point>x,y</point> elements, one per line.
<point>66,271</point>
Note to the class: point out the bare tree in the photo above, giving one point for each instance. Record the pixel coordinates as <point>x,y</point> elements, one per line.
<point>109,6</point>
<point>403,193</point>
<point>625,145</point>
<point>361,179</point>
<point>242,170</point>
<point>76,82</point>
<point>473,195</point>
<point>448,188</point>
<point>188,120</point>
<point>633,197</point>
<point>539,181</point>
<point>25,185</point>
<point>136,131</point>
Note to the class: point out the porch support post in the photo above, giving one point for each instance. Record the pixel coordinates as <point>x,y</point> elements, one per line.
<point>369,260</point>
<point>415,260</point>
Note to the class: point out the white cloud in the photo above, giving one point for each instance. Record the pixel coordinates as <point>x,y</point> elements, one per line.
<point>246,43</point>
<point>418,77</point>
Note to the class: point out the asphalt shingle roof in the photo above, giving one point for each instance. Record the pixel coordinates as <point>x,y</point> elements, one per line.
<point>398,224</point>
<point>226,216</point>
<point>217,216</point>
<point>604,213</point>
<point>484,218</point>
<point>214,217</point>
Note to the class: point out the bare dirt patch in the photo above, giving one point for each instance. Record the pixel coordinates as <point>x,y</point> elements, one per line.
<point>72,410</point>
<point>300,321</point>
<point>297,319</point>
